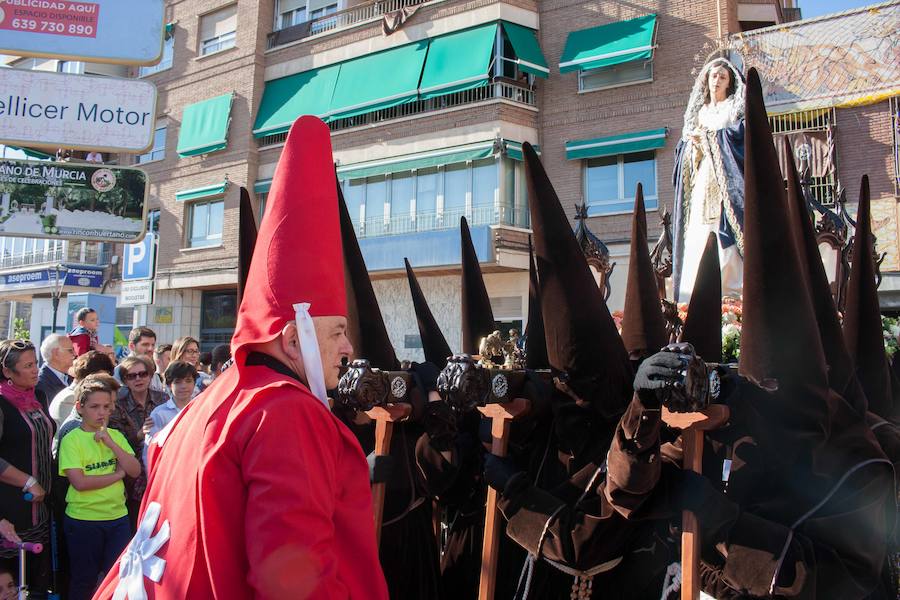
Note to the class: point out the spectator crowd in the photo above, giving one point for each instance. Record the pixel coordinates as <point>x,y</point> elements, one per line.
<point>75,425</point>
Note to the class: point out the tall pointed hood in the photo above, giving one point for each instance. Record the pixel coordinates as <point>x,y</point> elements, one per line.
<point>365,325</point>
<point>779,338</point>
<point>703,325</point>
<point>247,233</point>
<point>841,377</point>
<point>297,272</point>
<point>434,345</point>
<point>643,327</point>
<point>582,340</point>
<point>477,316</point>
<point>862,317</point>
<point>535,343</point>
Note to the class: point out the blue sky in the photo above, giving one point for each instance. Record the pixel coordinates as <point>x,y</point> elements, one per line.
<point>815,8</point>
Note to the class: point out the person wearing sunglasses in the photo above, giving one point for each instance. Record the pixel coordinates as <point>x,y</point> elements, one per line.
<point>26,432</point>
<point>132,417</point>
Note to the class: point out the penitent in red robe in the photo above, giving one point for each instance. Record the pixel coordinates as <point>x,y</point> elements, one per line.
<point>266,495</point>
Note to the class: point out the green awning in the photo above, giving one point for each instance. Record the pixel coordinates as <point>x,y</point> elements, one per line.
<point>514,150</point>
<point>458,61</point>
<point>262,186</point>
<point>376,81</point>
<point>288,98</point>
<point>204,126</point>
<point>208,191</point>
<point>422,160</point>
<point>528,51</point>
<point>625,143</point>
<point>608,45</point>
<point>32,153</point>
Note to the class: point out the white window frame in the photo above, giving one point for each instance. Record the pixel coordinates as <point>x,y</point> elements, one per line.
<point>214,239</point>
<point>280,16</point>
<point>155,154</point>
<point>583,75</point>
<point>72,67</point>
<point>651,202</point>
<point>218,43</point>
<point>165,62</point>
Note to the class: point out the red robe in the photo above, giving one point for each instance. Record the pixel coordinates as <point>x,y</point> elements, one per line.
<point>266,495</point>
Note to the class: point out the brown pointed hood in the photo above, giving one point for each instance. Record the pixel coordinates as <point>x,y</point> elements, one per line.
<point>434,345</point>
<point>535,344</point>
<point>703,324</point>
<point>582,340</point>
<point>477,316</point>
<point>779,339</point>
<point>862,317</point>
<point>643,327</point>
<point>365,325</point>
<point>841,377</point>
<point>246,241</point>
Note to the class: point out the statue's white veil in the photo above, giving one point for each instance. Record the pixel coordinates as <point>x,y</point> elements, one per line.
<point>700,91</point>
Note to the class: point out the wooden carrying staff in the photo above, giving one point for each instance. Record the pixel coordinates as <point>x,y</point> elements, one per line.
<point>501,416</point>
<point>692,426</point>
<point>384,417</point>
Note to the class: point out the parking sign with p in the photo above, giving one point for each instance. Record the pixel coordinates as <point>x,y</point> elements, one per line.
<point>140,259</point>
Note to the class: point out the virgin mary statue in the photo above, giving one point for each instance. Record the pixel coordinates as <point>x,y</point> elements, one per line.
<point>709,178</point>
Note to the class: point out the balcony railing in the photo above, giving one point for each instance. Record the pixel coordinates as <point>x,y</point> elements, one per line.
<point>398,224</point>
<point>339,20</point>
<point>493,91</point>
<point>74,253</point>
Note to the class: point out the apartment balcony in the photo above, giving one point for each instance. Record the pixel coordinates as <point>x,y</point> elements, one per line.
<point>399,224</point>
<point>498,89</point>
<point>87,253</point>
<point>355,15</point>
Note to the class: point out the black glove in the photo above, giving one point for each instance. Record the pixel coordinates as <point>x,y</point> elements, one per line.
<point>696,493</point>
<point>498,471</point>
<point>655,374</point>
<point>428,374</point>
<point>440,425</point>
<point>380,467</point>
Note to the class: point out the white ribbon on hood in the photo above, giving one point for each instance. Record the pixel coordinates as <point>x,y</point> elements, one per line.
<point>139,559</point>
<point>309,350</point>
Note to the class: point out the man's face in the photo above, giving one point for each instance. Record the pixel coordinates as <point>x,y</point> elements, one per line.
<point>7,587</point>
<point>163,360</point>
<point>333,346</point>
<point>144,346</point>
<point>64,355</point>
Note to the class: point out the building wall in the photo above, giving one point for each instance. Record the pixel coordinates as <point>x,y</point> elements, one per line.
<point>185,305</point>
<point>864,145</point>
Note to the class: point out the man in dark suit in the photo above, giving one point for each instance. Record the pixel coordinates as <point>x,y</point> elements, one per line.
<point>58,354</point>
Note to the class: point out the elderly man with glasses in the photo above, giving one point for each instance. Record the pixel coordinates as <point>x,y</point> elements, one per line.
<point>58,354</point>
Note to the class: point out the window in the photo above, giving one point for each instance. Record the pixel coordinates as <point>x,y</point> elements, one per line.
<point>262,197</point>
<point>218,317</point>
<point>73,67</point>
<point>610,182</point>
<point>153,221</point>
<point>158,151</point>
<point>290,12</point>
<point>217,30</point>
<point>168,55</point>
<point>37,64</point>
<point>637,71</point>
<point>205,223</point>
<point>810,135</point>
<point>376,197</point>
<point>323,24</point>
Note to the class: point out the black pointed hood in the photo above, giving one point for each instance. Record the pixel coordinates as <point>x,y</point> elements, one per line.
<point>582,340</point>
<point>477,316</point>
<point>365,325</point>
<point>841,377</point>
<point>643,326</point>
<point>862,317</point>
<point>780,337</point>
<point>535,343</point>
<point>247,233</point>
<point>434,345</point>
<point>703,324</point>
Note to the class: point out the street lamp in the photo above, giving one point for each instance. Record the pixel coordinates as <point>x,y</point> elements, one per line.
<point>59,282</point>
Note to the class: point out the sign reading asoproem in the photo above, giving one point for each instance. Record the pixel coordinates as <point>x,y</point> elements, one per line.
<point>58,110</point>
<point>107,31</point>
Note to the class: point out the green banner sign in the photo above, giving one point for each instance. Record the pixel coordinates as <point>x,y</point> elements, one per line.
<point>72,201</point>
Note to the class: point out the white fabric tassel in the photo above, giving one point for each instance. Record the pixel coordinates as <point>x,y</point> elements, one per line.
<point>309,350</point>
<point>672,583</point>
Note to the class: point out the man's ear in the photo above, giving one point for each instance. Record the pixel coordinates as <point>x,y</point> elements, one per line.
<point>290,341</point>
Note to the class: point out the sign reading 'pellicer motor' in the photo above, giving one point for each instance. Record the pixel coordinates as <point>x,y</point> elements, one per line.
<point>109,31</point>
<point>57,110</point>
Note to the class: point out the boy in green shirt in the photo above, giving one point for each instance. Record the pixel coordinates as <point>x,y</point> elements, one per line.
<point>95,460</point>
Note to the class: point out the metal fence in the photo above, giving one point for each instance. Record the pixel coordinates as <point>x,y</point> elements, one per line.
<point>493,91</point>
<point>397,224</point>
<point>73,252</point>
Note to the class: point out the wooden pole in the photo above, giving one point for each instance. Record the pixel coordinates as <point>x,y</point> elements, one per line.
<point>692,426</point>
<point>384,417</point>
<point>501,416</point>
